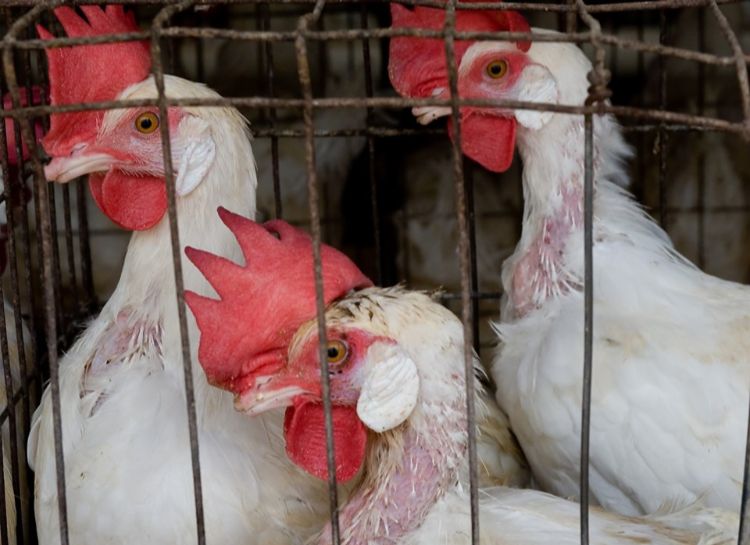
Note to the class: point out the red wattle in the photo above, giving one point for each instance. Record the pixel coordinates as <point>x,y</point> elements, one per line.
<point>488,139</point>
<point>305,432</point>
<point>133,203</point>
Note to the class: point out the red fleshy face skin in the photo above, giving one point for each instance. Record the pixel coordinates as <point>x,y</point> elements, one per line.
<point>305,433</point>
<point>417,66</point>
<point>487,139</point>
<point>132,203</point>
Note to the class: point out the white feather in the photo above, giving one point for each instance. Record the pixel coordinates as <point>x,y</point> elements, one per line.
<point>427,503</point>
<point>390,390</point>
<point>128,468</point>
<point>670,360</point>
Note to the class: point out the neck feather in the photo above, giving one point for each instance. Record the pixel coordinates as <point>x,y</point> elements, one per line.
<point>407,470</point>
<point>553,179</point>
<point>147,284</point>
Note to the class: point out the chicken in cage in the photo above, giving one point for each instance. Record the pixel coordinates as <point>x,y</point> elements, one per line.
<point>547,365</point>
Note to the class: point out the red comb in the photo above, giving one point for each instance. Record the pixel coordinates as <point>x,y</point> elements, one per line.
<point>90,73</point>
<point>417,65</point>
<point>261,305</point>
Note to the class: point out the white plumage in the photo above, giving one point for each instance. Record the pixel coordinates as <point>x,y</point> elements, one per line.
<point>670,372</point>
<point>414,486</point>
<point>125,438</point>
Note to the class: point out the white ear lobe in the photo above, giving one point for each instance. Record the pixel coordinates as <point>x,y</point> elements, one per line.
<point>196,154</point>
<point>390,391</point>
<point>536,84</point>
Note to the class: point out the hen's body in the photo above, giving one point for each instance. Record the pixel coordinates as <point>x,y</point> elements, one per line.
<point>670,355</point>
<point>125,434</point>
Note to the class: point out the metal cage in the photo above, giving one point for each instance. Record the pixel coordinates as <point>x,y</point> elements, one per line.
<point>51,284</point>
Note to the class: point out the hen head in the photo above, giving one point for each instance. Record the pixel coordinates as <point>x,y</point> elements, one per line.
<point>488,139</point>
<point>122,148</point>
<point>252,342</point>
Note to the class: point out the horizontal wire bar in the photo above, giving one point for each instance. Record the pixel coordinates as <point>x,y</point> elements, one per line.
<point>391,102</point>
<point>377,33</point>
<point>525,6</point>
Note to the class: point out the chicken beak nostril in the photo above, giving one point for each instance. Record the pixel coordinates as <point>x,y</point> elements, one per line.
<point>78,148</point>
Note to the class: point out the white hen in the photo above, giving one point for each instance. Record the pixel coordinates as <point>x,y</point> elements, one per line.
<point>403,393</point>
<point>670,375</point>
<point>125,433</point>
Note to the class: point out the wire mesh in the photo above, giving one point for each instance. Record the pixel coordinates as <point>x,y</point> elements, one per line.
<point>51,237</point>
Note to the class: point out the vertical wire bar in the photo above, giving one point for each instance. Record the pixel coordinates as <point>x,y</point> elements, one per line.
<point>25,240</point>
<point>10,416</point>
<point>4,539</point>
<point>571,19</point>
<point>464,265</point>
<point>303,68</point>
<point>405,241</point>
<point>701,163</point>
<point>26,63</point>
<point>367,60</point>
<point>84,244</point>
<point>662,136</point>
<point>268,48</point>
<point>56,259</point>
<point>744,88</point>
<point>156,27</point>
<point>9,394</point>
<point>740,64</point>
<point>8,193</point>
<point>472,224</point>
<point>13,262</point>
<point>47,253</point>
<point>69,248</point>
<point>597,93</point>
<point>10,410</point>
<point>640,71</point>
<point>588,327</point>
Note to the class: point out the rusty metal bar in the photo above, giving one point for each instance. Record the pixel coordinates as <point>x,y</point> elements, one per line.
<point>84,242</point>
<point>303,71</point>
<point>465,265</point>
<point>742,77</point>
<point>374,189</point>
<point>158,23</point>
<point>701,159</point>
<point>391,102</point>
<point>378,33</point>
<point>472,233</point>
<point>519,6</point>
<point>597,94</point>
<point>662,139</point>
<point>44,226</point>
<point>12,425</point>
<point>269,61</point>
<point>12,265</point>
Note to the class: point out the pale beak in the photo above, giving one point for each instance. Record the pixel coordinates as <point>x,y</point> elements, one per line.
<point>427,114</point>
<point>257,401</point>
<point>64,169</point>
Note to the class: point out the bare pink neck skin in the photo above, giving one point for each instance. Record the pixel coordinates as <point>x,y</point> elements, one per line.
<point>553,211</point>
<point>406,473</point>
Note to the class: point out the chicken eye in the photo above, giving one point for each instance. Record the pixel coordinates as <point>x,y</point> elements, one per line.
<point>147,122</point>
<point>497,69</point>
<point>337,352</point>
